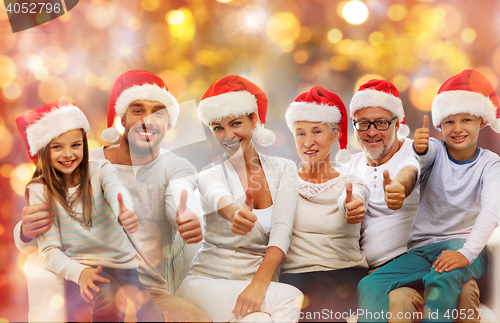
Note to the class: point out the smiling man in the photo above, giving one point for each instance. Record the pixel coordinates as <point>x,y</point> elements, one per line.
<point>155,179</point>
<point>387,164</point>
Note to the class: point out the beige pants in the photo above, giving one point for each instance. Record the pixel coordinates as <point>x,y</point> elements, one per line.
<point>176,309</point>
<point>408,303</point>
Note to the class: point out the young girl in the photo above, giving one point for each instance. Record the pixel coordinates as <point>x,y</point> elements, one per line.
<point>86,244</point>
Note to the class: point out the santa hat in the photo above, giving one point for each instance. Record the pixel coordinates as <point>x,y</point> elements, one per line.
<point>380,94</point>
<point>467,92</point>
<point>320,105</point>
<point>236,96</point>
<point>137,85</point>
<point>40,126</point>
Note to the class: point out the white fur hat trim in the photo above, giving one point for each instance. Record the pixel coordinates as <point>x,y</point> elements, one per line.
<point>311,112</point>
<point>227,104</point>
<point>372,99</point>
<point>449,103</point>
<point>149,92</point>
<point>53,124</point>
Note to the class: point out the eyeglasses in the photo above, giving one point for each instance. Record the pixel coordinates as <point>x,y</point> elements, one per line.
<point>379,124</point>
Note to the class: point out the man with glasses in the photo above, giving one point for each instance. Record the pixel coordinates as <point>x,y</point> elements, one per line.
<point>387,164</point>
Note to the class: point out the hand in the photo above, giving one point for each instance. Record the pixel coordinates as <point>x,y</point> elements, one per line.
<point>37,219</point>
<point>250,299</point>
<point>421,138</point>
<point>86,281</point>
<point>449,260</point>
<point>244,219</point>
<point>354,208</point>
<point>394,192</point>
<point>188,224</point>
<point>127,217</point>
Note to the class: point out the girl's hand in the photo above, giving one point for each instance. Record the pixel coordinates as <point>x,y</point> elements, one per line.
<point>244,219</point>
<point>127,217</point>
<point>86,281</point>
<point>449,260</point>
<point>421,138</point>
<point>250,299</point>
<point>354,208</point>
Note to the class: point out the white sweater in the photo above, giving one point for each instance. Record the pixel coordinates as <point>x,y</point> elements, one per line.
<point>69,246</point>
<point>322,239</point>
<point>227,255</point>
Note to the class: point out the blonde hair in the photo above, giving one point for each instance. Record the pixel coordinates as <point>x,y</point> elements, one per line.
<point>55,186</point>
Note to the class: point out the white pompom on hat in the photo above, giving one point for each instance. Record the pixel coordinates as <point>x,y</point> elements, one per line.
<point>38,127</point>
<point>380,93</point>
<point>137,85</point>
<point>467,92</point>
<point>235,96</point>
<point>320,105</point>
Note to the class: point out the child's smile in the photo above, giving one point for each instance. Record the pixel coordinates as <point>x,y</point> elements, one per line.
<point>66,154</point>
<point>460,131</point>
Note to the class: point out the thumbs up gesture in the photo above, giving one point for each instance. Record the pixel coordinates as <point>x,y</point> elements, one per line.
<point>353,204</point>
<point>188,224</point>
<point>244,218</point>
<point>421,138</point>
<point>394,192</point>
<point>127,217</point>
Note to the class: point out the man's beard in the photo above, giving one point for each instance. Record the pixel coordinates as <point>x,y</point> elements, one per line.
<point>145,148</point>
<point>380,153</point>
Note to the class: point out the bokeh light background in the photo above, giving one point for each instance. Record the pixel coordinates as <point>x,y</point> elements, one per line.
<point>284,46</point>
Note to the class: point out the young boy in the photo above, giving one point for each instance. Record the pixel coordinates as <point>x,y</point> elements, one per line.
<point>459,205</point>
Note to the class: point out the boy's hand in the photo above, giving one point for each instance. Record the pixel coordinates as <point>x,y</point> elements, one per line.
<point>354,208</point>
<point>449,260</point>
<point>421,138</point>
<point>86,281</point>
<point>244,219</point>
<point>127,217</point>
<point>394,192</point>
<point>188,224</point>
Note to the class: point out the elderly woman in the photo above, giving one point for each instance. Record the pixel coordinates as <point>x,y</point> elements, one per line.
<point>324,260</point>
<point>249,201</point>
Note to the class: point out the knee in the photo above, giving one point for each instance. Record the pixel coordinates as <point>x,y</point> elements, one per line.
<point>256,317</point>
<point>442,280</point>
<point>367,284</point>
<point>110,303</point>
<point>405,300</point>
<point>294,294</point>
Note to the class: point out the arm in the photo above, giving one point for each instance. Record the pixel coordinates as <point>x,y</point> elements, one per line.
<point>353,202</point>
<point>487,220</point>
<point>283,217</point>
<point>111,186</point>
<point>397,189</point>
<point>253,295</point>
<point>407,177</point>
<point>24,247</point>
<point>181,176</point>
<point>50,244</point>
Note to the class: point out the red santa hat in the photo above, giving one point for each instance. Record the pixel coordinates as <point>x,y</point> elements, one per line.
<point>467,92</point>
<point>137,85</point>
<point>38,127</point>
<point>235,96</point>
<point>379,93</point>
<point>320,105</point>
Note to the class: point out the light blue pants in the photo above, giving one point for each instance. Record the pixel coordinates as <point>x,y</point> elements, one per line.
<point>441,290</point>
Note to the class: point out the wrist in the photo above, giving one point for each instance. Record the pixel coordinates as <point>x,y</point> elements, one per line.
<point>24,237</point>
